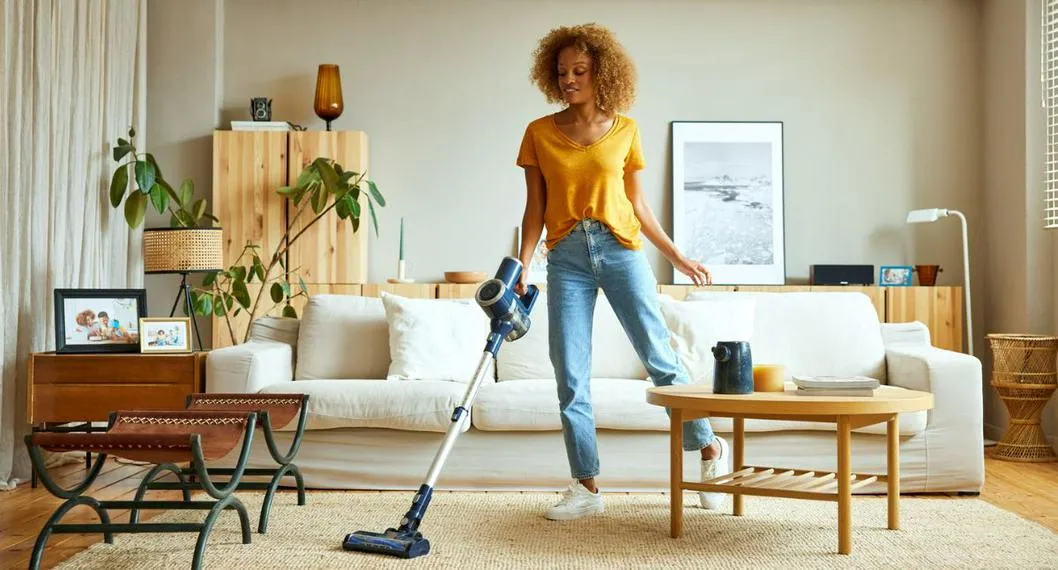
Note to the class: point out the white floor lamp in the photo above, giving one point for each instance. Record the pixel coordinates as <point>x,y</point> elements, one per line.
<point>932,215</point>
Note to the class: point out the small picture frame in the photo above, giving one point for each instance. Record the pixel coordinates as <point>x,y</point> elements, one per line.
<point>895,275</point>
<point>165,335</point>
<point>98,320</point>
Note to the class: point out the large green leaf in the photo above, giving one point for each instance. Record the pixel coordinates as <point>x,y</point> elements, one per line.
<point>187,191</point>
<point>276,292</point>
<point>374,220</point>
<point>373,189</point>
<point>121,150</point>
<point>327,175</point>
<point>242,295</point>
<point>342,208</point>
<point>144,175</point>
<point>159,198</point>
<point>154,164</point>
<point>200,208</point>
<point>319,200</point>
<point>289,312</point>
<point>169,190</point>
<point>135,209</point>
<point>118,184</point>
<point>209,279</point>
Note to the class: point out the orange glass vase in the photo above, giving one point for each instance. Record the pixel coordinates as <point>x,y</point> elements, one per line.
<point>328,103</point>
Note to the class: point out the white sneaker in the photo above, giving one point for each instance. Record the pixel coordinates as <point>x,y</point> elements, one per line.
<point>713,468</point>
<point>577,501</point>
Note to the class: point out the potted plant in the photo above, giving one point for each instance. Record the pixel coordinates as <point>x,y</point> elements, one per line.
<point>322,186</point>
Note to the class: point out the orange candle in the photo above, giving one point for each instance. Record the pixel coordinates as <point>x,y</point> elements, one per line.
<point>768,377</point>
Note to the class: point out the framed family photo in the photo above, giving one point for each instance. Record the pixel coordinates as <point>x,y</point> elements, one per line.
<point>98,320</point>
<point>895,275</point>
<point>727,199</point>
<point>165,335</point>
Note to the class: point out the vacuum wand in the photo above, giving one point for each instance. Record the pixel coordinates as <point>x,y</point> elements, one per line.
<point>508,320</point>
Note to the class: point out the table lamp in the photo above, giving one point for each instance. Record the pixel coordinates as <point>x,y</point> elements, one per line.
<point>183,251</point>
<point>932,215</point>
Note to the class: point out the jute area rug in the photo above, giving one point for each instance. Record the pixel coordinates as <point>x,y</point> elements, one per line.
<point>507,530</point>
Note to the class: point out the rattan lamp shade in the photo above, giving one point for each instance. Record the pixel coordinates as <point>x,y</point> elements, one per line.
<point>183,250</point>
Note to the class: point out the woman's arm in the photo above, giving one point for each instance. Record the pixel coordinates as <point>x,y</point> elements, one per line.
<point>653,232</point>
<point>532,221</point>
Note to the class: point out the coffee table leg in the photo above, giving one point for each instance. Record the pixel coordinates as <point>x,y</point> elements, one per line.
<point>844,485</point>
<point>892,432</point>
<point>676,471</point>
<point>738,425</point>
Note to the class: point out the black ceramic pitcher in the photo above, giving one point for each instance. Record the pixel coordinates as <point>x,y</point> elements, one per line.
<point>733,369</point>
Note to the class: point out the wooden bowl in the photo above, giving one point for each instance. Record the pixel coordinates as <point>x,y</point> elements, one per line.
<point>465,276</point>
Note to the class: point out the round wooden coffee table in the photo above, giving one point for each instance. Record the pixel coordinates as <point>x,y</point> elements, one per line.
<point>693,401</point>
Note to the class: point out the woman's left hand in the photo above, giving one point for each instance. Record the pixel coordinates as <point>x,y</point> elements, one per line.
<point>698,273</point>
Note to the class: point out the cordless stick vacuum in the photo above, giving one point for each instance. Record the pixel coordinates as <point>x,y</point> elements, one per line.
<point>509,316</point>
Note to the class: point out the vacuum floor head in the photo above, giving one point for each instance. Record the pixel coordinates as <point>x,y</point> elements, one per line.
<point>391,543</point>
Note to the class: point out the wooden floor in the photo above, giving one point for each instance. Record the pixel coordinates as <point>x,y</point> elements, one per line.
<point>1029,489</point>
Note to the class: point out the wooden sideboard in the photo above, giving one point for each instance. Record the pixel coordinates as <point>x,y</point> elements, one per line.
<point>67,388</point>
<point>939,308</point>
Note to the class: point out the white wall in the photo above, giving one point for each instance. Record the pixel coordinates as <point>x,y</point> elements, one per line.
<point>874,125</point>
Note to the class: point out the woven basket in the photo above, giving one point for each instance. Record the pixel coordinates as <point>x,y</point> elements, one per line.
<point>183,250</point>
<point>1025,374</point>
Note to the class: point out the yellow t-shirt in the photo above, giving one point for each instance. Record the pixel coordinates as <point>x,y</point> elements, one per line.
<point>585,181</point>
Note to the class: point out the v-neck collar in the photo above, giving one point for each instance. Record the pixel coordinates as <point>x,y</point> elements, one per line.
<point>604,136</point>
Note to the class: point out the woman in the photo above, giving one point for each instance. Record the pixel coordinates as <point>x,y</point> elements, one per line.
<point>581,167</point>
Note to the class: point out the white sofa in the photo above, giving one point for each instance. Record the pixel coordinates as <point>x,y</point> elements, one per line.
<point>385,374</point>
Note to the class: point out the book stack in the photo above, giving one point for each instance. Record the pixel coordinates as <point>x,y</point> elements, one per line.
<point>835,385</point>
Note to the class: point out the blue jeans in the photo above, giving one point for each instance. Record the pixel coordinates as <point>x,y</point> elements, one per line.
<point>579,265</point>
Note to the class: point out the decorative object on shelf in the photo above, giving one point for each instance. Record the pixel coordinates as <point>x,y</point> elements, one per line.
<point>183,251</point>
<point>166,335</point>
<point>98,320</point>
<point>927,274</point>
<point>727,199</point>
<point>465,276</point>
<point>769,378</point>
<point>150,186</point>
<point>328,102</point>
<point>1025,374</point>
<point>732,368</point>
<point>261,109</point>
<point>895,275</point>
<point>931,215</point>
<point>401,265</point>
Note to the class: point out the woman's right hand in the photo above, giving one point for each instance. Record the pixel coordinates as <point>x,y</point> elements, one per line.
<point>522,287</point>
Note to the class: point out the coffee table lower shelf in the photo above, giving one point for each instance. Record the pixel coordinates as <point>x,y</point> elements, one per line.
<point>781,482</point>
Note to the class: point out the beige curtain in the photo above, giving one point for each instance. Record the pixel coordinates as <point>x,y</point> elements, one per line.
<point>71,82</point>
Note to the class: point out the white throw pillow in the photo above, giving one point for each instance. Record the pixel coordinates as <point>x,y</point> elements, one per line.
<point>435,339</point>
<point>697,326</point>
<point>342,337</point>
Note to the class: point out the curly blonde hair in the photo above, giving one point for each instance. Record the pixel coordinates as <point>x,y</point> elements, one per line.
<point>613,72</point>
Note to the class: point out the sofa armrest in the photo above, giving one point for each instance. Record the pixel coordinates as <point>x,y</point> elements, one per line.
<point>955,425</point>
<point>248,367</point>
<point>901,334</point>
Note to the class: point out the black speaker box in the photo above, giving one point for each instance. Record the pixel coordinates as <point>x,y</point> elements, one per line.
<point>841,275</point>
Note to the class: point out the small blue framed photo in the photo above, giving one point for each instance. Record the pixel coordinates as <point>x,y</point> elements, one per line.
<point>895,275</point>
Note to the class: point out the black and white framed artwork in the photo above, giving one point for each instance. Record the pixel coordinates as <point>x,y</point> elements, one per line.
<point>727,199</point>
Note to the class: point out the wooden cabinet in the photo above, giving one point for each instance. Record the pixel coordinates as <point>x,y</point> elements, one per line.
<point>248,168</point>
<point>940,308</point>
<point>87,387</point>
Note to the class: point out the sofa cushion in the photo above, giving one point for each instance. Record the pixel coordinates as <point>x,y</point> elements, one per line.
<point>529,358</point>
<point>532,405</point>
<point>813,333</point>
<point>342,336</point>
<point>696,327</point>
<point>435,339</point>
<point>425,405</point>
<point>620,404</point>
